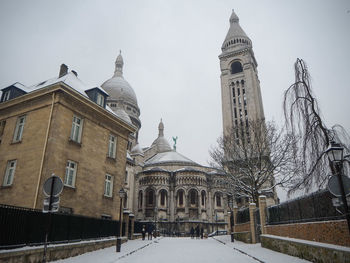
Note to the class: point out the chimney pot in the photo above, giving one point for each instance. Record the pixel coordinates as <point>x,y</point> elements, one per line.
<point>75,73</point>
<point>63,70</point>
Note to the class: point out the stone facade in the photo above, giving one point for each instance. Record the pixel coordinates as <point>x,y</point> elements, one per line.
<point>46,146</point>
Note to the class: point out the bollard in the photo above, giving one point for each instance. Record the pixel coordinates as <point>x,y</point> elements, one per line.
<point>232,237</point>
<point>119,243</point>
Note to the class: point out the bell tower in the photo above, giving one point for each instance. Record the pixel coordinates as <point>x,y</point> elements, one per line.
<point>240,86</point>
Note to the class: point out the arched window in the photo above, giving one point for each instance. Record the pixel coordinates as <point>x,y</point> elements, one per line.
<point>140,199</point>
<point>218,200</point>
<point>162,197</point>
<point>181,198</point>
<point>203,198</point>
<point>193,197</point>
<point>236,67</point>
<point>150,197</point>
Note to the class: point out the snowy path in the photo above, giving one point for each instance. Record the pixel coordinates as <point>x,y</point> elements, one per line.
<point>184,250</point>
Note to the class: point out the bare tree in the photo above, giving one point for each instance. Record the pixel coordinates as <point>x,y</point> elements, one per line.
<point>303,120</point>
<point>257,156</point>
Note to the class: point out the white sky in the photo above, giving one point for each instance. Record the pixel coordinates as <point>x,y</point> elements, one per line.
<point>170,50</point>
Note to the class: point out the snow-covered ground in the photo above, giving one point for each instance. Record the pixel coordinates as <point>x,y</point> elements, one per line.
<point>184,250</point>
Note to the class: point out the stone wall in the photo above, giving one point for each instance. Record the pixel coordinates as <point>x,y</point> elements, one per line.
<point>331,232</point>
<point>54,252</point>
<point>245,227</point>
<point>309,250</point>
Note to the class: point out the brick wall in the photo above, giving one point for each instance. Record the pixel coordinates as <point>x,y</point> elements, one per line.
<point>332,232</point>
<point>245,227</point>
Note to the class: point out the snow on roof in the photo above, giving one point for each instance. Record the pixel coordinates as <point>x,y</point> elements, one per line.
<point>189,169</point>
<point>168,157</point>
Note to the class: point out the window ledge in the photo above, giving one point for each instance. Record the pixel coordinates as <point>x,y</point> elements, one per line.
<point>107,197</point>
<point>111,159</point>
<point>69,187</point>
<point>74,142</point>
<point>16,142</point>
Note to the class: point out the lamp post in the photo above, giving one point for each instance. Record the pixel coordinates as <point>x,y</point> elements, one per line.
<point>335,156</point>
<point>119,239</point>
<point>230,205</point>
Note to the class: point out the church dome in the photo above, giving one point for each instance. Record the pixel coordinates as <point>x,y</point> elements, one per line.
<point>161,143</point>
<point>120,112</point>
<point>117,87</point>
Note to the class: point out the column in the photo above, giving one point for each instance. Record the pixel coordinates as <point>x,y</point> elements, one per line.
<point>199,202</point>
<point>262,213</point>
<point>143,204</point>
<point>252,207</point>
<point>172,206</point>
<point>186,205</point>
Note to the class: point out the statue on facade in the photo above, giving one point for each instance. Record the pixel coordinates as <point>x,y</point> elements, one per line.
<point>175,139</point>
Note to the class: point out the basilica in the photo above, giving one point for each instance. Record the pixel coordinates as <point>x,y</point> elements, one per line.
<point>165,187</point>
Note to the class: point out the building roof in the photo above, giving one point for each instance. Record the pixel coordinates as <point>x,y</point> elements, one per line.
<point>168,157</point>
<point>235,31</point>
<point>117,87</point>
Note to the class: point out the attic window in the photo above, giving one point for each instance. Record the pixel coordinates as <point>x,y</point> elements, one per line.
<point>100,100</point>
<point>6,95</point>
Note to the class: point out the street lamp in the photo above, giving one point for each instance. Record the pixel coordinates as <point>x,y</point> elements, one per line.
<point>122,194</point>
<point>335,156</point>
<point>230,205</point>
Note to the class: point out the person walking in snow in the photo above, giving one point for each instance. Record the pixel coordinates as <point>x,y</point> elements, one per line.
<point>192,232</point>
<point>197,232</point>
<point>143,231</point>
<point>202,232</point>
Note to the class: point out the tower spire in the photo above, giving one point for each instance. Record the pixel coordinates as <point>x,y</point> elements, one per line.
<point>161,128</point>
<point>119,63</point>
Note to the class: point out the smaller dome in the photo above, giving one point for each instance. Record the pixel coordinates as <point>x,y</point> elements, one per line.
<point>161,143</point>
<point>136,149</point>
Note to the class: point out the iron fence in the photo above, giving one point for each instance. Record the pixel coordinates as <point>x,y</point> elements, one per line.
<point>243,216</point>
<point>317,206</point>
<point>25,227</point>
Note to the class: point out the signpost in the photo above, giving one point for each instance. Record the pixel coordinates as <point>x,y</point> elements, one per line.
<point>334,186</point>
<point>53,187</point>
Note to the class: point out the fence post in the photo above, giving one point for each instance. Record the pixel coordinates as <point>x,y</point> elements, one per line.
<point>132,219</point>
<point>235,211</point>
<point>262,212</point>
<point>252,207</point>
<point>126,220</point>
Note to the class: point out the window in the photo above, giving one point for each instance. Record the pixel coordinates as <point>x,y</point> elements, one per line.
<point>218,200</point>
<point>108,185</point>
<point>10,172</point>
<point>203,198</point>
<point>126,177</point>
<point>193,197</point>
<point>181,198</point>
<point>140,199</point>
<point>150,198</point>
<point>100,100</point>
<point>2,128</point>
<point>77,127</point>
<point>162,198</point>
<point>236,67</point>
<point>112,146</point>
<point>71,172</point>
<point>6,95</point>
<point>17,137</point>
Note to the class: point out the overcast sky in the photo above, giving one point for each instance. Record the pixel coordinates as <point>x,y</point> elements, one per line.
<point>170,51</point>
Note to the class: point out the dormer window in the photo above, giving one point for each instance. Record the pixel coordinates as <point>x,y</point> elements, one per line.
<point>100,99</point>
<point>98,96</point>
<point>6,95</point>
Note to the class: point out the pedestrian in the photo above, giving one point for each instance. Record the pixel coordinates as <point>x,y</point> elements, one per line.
<point>192,232</point>
<point>149,232</point>
<point>197,232</point>
<point>202,232</point>
<point>143,232</point>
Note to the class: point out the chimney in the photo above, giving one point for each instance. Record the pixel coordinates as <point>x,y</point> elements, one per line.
<point>75,73</point>
<point>63,70</point>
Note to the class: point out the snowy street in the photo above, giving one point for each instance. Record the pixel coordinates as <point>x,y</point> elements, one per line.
<point>185,250</point>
